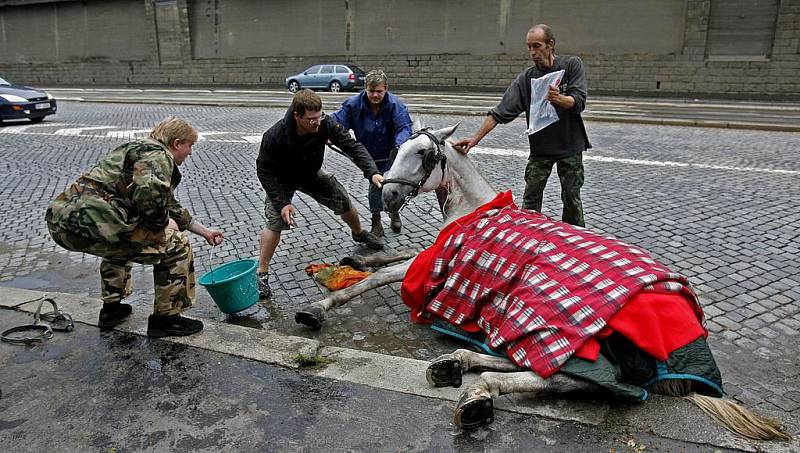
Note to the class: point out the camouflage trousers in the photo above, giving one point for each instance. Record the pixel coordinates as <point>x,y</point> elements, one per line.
<point>570,173</point>
<point>173,268</point>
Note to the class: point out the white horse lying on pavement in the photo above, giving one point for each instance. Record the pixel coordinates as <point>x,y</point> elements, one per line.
<point>427,163</point>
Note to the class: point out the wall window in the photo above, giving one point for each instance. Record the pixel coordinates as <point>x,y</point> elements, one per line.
<point>741,29</point>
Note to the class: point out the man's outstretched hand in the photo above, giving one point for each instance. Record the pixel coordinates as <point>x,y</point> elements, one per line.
<point>463,146</point>
<point>377,179</point>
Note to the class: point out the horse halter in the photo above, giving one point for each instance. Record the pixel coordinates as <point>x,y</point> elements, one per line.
<point>430,158</point>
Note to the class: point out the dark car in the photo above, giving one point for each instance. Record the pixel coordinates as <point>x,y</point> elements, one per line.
<point>20,102</point>
<point>334,77</point>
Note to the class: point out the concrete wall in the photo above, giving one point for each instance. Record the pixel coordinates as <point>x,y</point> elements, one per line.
<point>649,47</point>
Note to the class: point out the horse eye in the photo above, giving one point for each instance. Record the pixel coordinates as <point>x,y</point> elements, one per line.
<point>421,152</point>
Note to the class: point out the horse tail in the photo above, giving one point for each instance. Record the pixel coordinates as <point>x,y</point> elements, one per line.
<point>739,419</point>
<point>726,412</point>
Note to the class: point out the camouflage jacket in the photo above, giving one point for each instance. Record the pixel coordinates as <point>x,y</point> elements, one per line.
<point>126,197</point>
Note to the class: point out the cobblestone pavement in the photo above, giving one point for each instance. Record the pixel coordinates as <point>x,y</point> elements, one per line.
<point>720,206</point>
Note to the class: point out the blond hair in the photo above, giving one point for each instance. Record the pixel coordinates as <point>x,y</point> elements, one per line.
<point>173,128</point>
<point>375,78</point>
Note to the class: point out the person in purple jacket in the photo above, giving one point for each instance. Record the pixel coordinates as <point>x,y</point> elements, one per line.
<point>381,123</point>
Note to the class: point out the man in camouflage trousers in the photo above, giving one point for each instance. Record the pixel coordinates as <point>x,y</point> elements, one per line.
<point>124,210</point>
<point>561,143</point>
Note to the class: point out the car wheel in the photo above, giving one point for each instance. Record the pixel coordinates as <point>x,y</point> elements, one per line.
<point>36,120</point>
<point>294,86</point>
<point>335,86</point>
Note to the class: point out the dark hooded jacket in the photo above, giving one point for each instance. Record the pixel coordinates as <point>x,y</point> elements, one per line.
<point>286,161</point>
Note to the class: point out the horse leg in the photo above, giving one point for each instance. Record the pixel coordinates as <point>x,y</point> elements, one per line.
<point>446,370</point>
<point>313,315</point>
<point>361,263</point>
<point>475,407</point>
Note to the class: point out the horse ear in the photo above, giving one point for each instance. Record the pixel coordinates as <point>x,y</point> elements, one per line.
<point>417,124</point>
<point>446,132</point>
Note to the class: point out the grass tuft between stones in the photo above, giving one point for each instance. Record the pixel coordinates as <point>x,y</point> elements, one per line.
<point>311,361</point>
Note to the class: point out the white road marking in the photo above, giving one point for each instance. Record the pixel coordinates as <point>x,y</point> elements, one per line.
<point>202,135</point>
<point>78,130</point>
<point>655,163</point>
<point>23,129</point>
<point>127,134</point>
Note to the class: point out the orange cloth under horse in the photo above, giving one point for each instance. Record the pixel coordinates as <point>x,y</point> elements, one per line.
<point>336,277</point>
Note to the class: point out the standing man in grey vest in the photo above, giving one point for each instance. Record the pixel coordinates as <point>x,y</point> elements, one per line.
<point>561,143</point>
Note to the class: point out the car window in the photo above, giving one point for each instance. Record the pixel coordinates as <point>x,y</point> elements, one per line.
<point>313,70</point>
<point>342,70</point>
<point>356,69</point>
<point>327,69</point>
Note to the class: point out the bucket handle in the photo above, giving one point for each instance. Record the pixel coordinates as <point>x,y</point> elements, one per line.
<point>211,262</point>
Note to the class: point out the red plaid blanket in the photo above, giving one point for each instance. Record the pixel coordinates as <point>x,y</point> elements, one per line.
<point>538,288</point>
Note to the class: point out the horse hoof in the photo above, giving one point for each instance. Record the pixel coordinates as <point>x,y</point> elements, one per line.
<point>444,372</point>
<point>356,262</point>
<point>473,411</point>
<point>310,316</point>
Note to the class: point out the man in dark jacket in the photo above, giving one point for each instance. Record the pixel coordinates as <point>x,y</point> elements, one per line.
<point>561,143</point>
<point>290,159</point>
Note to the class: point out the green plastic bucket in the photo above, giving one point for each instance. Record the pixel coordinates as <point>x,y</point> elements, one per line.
<point>233,285</point>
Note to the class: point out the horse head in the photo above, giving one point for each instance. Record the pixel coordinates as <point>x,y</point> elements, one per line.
<point>418,167</point>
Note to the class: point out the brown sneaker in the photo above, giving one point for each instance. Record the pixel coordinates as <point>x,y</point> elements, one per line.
<point>368,239</point>
<point>396,224</point>
<point>377,228</point>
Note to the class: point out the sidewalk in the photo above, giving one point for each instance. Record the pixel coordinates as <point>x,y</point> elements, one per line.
<point>233,388</point>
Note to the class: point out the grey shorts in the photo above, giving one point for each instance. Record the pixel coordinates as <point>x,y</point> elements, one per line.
<point>325,189</point>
